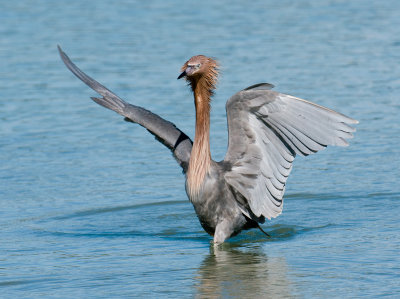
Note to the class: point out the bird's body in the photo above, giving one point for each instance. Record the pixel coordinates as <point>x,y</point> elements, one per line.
<point>218,207</point>
<point>267,130</point>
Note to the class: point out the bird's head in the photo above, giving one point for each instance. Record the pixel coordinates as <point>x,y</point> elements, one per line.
<point>200,68</point>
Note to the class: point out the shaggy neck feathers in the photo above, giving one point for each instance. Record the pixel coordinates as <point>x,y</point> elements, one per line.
<point>200,158</point>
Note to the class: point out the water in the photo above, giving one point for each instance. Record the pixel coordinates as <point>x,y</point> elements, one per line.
<point>91,206</point>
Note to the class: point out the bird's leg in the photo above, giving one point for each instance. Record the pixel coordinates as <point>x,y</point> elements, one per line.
<point>223,231</point>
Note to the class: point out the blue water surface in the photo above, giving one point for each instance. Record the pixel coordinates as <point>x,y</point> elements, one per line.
<point>94,207</point>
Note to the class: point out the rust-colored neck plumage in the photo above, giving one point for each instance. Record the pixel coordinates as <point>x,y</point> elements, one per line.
<point>200,158</point>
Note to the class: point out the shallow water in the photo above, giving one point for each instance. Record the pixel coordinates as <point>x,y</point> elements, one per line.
<point>92,206</point>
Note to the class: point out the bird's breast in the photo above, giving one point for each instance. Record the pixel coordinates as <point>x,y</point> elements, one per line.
<point>214,201</point>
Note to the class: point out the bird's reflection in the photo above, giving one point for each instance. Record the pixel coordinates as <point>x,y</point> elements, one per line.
<point>228,272</point>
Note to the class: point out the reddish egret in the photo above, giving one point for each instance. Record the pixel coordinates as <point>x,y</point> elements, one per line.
<point>267,129</point>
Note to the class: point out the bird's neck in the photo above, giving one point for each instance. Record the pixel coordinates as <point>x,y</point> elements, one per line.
<point>200,157</point>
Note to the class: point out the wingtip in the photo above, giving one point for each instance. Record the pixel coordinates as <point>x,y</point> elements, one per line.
<point>352,121</point>
<point>59,49</point>
<point>342,142</point>
<point>63,56</point>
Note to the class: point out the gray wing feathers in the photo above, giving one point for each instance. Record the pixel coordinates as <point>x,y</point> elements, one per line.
<point>266,131</point>
<point>260,86</point>
<point>165,131</point>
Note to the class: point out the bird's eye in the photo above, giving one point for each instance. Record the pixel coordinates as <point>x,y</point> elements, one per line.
<point>197,65</point>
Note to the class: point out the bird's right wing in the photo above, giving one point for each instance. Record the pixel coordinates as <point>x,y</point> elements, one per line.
<point>267,129</point>
<point>164,131</point>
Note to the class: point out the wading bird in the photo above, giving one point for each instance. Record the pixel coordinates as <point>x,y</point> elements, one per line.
<point>267,129</point>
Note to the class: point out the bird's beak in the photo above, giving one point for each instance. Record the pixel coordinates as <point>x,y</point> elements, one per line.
<point>182,75</point>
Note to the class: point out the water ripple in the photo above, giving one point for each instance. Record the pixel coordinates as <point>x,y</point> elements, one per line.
<point>117,209</point>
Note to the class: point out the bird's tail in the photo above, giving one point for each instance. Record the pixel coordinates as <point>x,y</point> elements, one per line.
<point>259,227</point>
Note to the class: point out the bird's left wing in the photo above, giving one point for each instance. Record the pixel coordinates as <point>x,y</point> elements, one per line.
<point>164,131</point>
<point>266,131</point>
